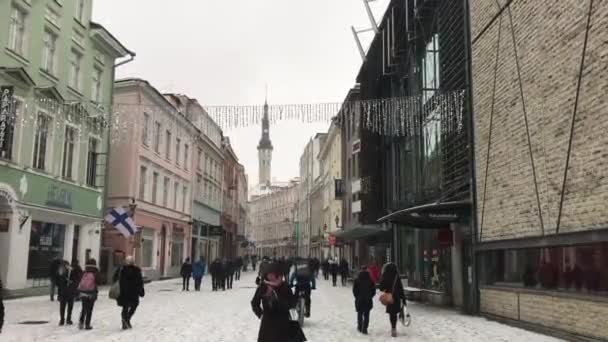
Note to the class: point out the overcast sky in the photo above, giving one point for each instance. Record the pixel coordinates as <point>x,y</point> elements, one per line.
<point>223,52</point>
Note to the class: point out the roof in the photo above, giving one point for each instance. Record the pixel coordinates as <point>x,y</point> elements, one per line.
<point>142,82</point>
<point>111,40</point>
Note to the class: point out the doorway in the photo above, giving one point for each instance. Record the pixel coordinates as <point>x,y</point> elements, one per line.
<point>75,243</point>
<point>163,240</point>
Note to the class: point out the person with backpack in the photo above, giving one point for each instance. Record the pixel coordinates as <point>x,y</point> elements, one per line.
<point>364,290</point>
<point>303,279</point>
<point>393,295</point>
<point>88,290</point>
<point>186,273</point>
<point>198,271</point>
<point>131,285</point>
<point>67,281</point>
<point>1,308</point>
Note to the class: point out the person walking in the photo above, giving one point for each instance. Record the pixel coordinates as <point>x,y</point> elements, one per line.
<point>238,266</point>
<point>1,308</point>
<point>53,268</point>
<point>67,281</point>
<point>88,290</point>
<point>254,262</point>
<point>333,269</point>
<point>186,273</point>
<point>325,269</point>
<point>131,285</point>
<point>344,271</point>
<point>215,270</point>
<point>198,271</point>
<point>364,290</point>
<point>223,273</point>
<point>271,303</point>
<point>230,269</point>
<point>390,283</point>
<point>374,272</point>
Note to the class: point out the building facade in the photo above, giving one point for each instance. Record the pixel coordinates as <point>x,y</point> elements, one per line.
<point>151,171</point>
<point>207,156</point>
<point>230,206</point>
<point>242,243</point>
<point>271,221</point>
<point>309,239</point>
<point>540,155</point>
<point>56,83</point>
<point>330,181</point>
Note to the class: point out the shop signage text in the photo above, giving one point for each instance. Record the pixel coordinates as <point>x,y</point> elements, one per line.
<point>6,100</point>
<point>59,197</point>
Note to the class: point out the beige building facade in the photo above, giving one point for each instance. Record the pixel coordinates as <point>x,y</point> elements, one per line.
<point>330,158</point>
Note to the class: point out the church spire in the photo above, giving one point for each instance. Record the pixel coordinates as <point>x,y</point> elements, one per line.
<point>265,147</point>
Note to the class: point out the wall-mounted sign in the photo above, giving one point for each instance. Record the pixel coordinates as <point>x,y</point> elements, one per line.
<point>6,112</point>
<point>59,197</point>
<point>356,146</point>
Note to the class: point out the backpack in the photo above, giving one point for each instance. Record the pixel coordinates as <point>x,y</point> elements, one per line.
<point>303,273</point>
<point>87,283</point>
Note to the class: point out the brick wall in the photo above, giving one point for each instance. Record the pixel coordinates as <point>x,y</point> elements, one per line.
<point>548,37</point>
<point>573,315</point>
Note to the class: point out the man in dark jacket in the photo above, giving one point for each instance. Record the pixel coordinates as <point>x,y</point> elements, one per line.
<point>67,281</point>
<point>238,265</point>
<point>186,273</point>
<point>229,273</point>
<point>131,288</point>
<point>333,270</point>
<point>53,268</point>
<point>215,270</point>
<point>344,271</point>
<point>1,308</point>
<point>364,290</point>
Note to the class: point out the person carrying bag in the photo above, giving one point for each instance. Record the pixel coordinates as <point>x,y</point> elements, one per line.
<point>393,294</point>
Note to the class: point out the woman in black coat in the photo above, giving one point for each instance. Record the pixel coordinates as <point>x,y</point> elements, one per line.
<point>391,282</point>
<point>271,303</point>
<point>67,280</point>
<point>131,288</point>
<point>364,290</point>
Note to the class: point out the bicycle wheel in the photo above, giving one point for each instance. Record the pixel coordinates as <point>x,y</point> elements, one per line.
<point>301,311</point>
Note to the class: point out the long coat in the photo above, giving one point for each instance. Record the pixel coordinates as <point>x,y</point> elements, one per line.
<point>364,291</point>
<point>388,284</point>
<point>131,285</point>
<point>67,283</point>
<point>274,312</point>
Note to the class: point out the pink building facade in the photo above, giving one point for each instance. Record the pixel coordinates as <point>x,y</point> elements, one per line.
<point>150,173</point>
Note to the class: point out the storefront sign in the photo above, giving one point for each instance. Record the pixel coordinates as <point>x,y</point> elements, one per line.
<point>59,197</point>
<point>6,111</point>
<point>215,230</point>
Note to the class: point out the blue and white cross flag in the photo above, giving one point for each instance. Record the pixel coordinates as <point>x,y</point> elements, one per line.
<point>120,219</point>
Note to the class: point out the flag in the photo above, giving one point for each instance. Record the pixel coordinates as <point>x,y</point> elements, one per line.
<point>120,220</point>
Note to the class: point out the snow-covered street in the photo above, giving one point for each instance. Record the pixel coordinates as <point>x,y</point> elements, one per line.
<point>168,314</point>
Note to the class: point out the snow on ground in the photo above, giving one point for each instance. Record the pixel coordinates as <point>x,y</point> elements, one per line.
<point>168,314</point>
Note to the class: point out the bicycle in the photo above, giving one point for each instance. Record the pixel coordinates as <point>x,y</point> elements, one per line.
<point>301,306</point>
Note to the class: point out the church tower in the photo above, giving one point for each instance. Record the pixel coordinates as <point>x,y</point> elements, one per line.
<point>265,149</point>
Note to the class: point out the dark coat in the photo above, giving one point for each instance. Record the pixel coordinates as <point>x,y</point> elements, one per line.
<point>275,324</point>
<point>343,268</point>
<point>131,285</point>
<point>215,268</point>
<point>388,284</point>
<point>186,270</point>
<point>364,291</point>
<point>67,283</point>
<point>53,267</point>
<point>333,268</point>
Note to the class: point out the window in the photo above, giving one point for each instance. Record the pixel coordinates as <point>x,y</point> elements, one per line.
<point>96,89</point>
<point>147,247</point>
<point>199,159</point>
<point>75,71</point>
<point>92,162</point>
<point>177,150</point>
<point>168,145</point>
<point>184,198</point>
<point>145,131</point>
<point>49,52</point>
<point>206,191</point>
<point>199,185</point>
<point>157,137</point>
<point>176,188</point>
<point>206,163</point>
<point>142,182</point>
<point>166,186</point>
<point>8,117</point>
<point>177,249</point>
<point>154,186</point>
<point>186,151</point>
<point>68,152</point>
<point>80,10</point>
<point>40,141</point>
<point>430,69</point>
<point>16,34</point>
<point>575,269</point>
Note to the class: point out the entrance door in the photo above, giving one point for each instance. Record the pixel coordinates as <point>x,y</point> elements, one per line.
<point>468,278</point>
<point>163,241</point>
<point>75,240</point>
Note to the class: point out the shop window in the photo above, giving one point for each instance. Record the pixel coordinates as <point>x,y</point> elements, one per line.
<point>430,68</point>
<point>147,248</point>
<point>578,269</point>
<point>177,250</point>
<point>46,243</point>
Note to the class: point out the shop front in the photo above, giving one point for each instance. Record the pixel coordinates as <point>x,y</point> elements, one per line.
<point>57,220</point>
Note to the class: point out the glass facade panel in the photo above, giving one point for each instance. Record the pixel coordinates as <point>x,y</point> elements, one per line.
<point>46,243</point>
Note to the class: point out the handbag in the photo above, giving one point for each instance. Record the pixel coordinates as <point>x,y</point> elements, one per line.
<point>386,298</point>
<point>114,292</point>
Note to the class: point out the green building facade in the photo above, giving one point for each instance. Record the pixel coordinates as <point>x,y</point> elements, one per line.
<point>56,80</point>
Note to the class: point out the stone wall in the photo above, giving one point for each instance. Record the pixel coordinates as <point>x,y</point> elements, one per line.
<point>525,96</point>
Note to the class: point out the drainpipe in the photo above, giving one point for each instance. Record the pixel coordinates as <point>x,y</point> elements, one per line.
<point>474,285</point>
<point>108,142</point>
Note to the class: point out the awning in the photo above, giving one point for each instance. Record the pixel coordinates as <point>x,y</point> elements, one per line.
<point>432,216</point>
<point>359,232</point>
<point>18,74</point>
